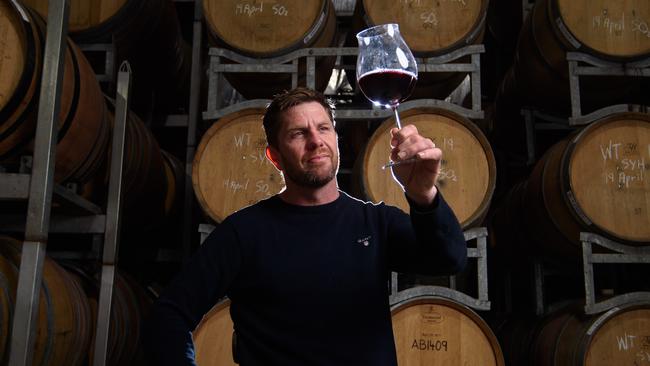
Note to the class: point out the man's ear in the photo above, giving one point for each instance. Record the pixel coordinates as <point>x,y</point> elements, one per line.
<point>273,156</point>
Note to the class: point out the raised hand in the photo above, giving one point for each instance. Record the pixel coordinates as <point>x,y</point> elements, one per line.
<point>417,164</point>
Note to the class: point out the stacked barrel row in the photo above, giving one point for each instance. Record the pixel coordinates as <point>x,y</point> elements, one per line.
<point>587,178</point>
<point>152,177</point>
<point>65,325</point>
<point>86,118</point>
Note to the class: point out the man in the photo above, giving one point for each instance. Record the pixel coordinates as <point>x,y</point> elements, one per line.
<point>307,270</point>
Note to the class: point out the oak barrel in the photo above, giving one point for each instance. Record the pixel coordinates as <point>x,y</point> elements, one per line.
<point>175,178</point>
<point>607,29</point>
<point>569,337</point>
<point>230,168</point>
<point>263,30</point>
<point>144,32</point>
<point>468,175</point>
<point>213,337</point>
<point>64,323</point>
<point>438,331</point>
<point>129,308</point>
<point>144,181</point>
<point>89,20</point>
<point>83,131</point>
<point>430,28</point>
<point>593,181</point>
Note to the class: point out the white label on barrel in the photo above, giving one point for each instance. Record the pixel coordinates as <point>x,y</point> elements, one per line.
<point>641,27</point>
<point>612,25</point>
<point>643,355</point>
<point>280,10</point>
<point>249,9</point>
<point>616,25</point>
<point>638,344</point>
<point>235,186</point>
<point>429,345</point>
<point>627,170</point>
<point>429,19</point>
<point>262,187</point>
<point>625,342</point>
<point>447,174</point>
<point>242,140</point>
<point>260,158</point>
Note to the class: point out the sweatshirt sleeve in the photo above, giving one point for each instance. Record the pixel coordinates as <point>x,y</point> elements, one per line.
<point>430,241</point>
<point>192,293</point>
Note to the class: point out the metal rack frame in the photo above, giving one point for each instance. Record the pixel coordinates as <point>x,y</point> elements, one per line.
<point>109,59</point>
<point>113,216</point>
<point>289,62</point>
<point>581,64</point>
<point>480,253</point>
<point>548,123</point>
<point>622,254</point>
<point>38,188</point>
<point>192,122</point>
<point>619,254</point>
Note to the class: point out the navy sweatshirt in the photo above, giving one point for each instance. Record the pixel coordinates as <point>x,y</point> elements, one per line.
<point>308,284</point>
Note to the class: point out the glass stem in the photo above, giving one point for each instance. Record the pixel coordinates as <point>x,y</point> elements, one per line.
<point>397,121</point>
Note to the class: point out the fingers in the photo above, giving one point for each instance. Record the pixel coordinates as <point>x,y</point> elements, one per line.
<point>408,143</point>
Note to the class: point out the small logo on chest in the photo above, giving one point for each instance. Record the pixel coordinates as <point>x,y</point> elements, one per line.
<point>364,241</point>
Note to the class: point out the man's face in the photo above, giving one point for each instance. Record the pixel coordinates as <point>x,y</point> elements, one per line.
<point>307,150</point>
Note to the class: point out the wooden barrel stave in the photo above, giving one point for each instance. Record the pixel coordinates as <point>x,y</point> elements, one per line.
<point>175,178</point>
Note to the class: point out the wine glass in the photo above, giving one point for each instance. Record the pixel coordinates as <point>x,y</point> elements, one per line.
<point>386,69</point>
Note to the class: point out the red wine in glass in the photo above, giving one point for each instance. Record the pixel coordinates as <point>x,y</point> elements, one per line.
<point>387,87</point>
<point>386,69</point>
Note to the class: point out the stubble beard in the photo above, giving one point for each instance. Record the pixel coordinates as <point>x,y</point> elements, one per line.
<point>311,178</point>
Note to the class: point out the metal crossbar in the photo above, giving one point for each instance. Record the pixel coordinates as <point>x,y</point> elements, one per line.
<point>289,64</point>
<point>623,254</point>
<point>581,64</point>
<point>480,253</point>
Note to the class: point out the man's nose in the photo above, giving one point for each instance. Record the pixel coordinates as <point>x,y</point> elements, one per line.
<point>315,139</point>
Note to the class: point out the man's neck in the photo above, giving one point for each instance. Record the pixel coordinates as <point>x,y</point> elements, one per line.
<point>306,196</point>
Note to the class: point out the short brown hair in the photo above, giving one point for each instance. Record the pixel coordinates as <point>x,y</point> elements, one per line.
<point>286,100</point>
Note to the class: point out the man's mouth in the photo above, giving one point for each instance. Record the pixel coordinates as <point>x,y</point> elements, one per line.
<point>318,159</point>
